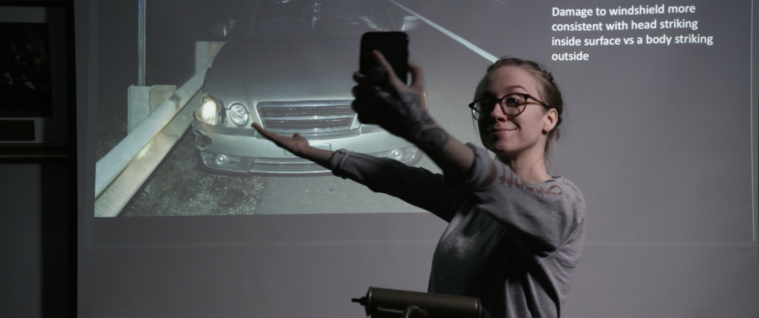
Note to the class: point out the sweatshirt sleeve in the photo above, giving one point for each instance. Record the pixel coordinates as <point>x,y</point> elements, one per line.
<point>416,186</point>
<point>542,217</point>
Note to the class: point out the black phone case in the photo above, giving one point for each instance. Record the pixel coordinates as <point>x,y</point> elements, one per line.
<point>392,45</point>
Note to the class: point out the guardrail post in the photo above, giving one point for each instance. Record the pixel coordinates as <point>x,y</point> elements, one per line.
<point>138,106</point>
<point>141,102</point>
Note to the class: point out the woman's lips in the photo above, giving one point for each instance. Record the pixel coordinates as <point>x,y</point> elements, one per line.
<point>500,131</point>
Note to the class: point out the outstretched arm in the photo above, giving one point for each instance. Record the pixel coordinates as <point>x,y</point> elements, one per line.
<point>400,110</point>
<point>416,186</point>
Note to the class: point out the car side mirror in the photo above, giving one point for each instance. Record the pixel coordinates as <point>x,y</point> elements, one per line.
<point>222,28</point>
<point>410,22</point>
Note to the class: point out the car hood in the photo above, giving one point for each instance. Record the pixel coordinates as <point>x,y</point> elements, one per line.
<point>283,68</point>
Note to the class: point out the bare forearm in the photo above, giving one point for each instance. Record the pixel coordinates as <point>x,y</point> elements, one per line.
<point>417,126</point>
<point>319,156</point>
<point>451,155</point>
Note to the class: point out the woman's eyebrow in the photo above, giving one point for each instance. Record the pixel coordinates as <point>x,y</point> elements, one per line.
<point>507,89</point>
<point>515,86</point>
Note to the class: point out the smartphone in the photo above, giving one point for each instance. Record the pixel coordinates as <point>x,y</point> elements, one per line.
<point>392,45</point>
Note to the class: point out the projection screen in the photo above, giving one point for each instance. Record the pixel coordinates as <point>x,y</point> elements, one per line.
<point>185,211</point>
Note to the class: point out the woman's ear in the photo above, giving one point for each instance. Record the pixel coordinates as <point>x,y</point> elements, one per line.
<point>550,118</point>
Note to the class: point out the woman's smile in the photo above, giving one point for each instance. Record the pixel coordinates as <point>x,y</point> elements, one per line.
<point>501,131</point>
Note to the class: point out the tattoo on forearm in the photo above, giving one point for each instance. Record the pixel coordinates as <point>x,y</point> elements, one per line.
<point>432,140</point>
<point>414,109</point>
<point>414,123</point>
<point>412,117</point>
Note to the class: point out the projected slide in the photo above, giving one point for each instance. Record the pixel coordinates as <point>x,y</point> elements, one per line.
<point>653,91</point>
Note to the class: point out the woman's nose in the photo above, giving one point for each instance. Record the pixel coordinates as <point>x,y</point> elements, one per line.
<point>497,113</point>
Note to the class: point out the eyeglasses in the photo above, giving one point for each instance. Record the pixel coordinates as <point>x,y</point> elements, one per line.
<point>511,105</point>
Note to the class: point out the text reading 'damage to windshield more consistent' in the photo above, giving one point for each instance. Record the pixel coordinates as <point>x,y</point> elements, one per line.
<point>596,27</point>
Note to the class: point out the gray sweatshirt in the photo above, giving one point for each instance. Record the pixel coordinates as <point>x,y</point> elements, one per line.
<point>512,244</point>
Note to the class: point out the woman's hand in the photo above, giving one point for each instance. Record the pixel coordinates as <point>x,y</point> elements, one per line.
<point>296,144</point>
<point>402,111</point>
<point>398,108</point>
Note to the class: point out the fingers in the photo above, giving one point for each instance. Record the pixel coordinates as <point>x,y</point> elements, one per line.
<point>259,129</point>
<point>294,144</point>
<point>275,138</point>
<point>417,77</point>
<point>262,131</point>
<point>362,91</point>
<point>392,77</point>
<point>358,77</point>
<point>373,77</point>
<point>365,104</point>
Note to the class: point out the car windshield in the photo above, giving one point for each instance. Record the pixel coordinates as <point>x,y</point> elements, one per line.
<point>303,17</point>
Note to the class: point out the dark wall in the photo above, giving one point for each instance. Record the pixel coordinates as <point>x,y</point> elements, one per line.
<point>34,240</point>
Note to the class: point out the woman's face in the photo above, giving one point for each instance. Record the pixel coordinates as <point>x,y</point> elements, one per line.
<point>514,136</point>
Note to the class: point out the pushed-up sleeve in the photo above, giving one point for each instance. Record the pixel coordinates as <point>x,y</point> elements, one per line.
<point>416,186</point>
<point>542,217</point>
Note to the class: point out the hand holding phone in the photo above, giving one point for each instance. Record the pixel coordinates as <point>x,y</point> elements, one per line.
<point>393,105</point>
<point>393,46</point>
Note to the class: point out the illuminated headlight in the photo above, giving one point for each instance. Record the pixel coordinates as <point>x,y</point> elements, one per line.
<point>208,111</point>
<point>238,115</point>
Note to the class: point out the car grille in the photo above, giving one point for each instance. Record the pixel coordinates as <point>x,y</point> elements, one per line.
<point>306,116</point>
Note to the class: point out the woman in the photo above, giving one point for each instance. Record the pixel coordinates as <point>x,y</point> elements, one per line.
<point>515,233</point>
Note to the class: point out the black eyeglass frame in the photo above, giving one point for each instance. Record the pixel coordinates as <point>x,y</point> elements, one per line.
<point>498,102</point>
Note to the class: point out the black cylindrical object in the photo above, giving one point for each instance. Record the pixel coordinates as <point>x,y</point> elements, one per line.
<point>381,302</point>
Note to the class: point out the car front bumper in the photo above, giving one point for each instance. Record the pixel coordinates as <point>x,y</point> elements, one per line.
<point>245,151</point>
